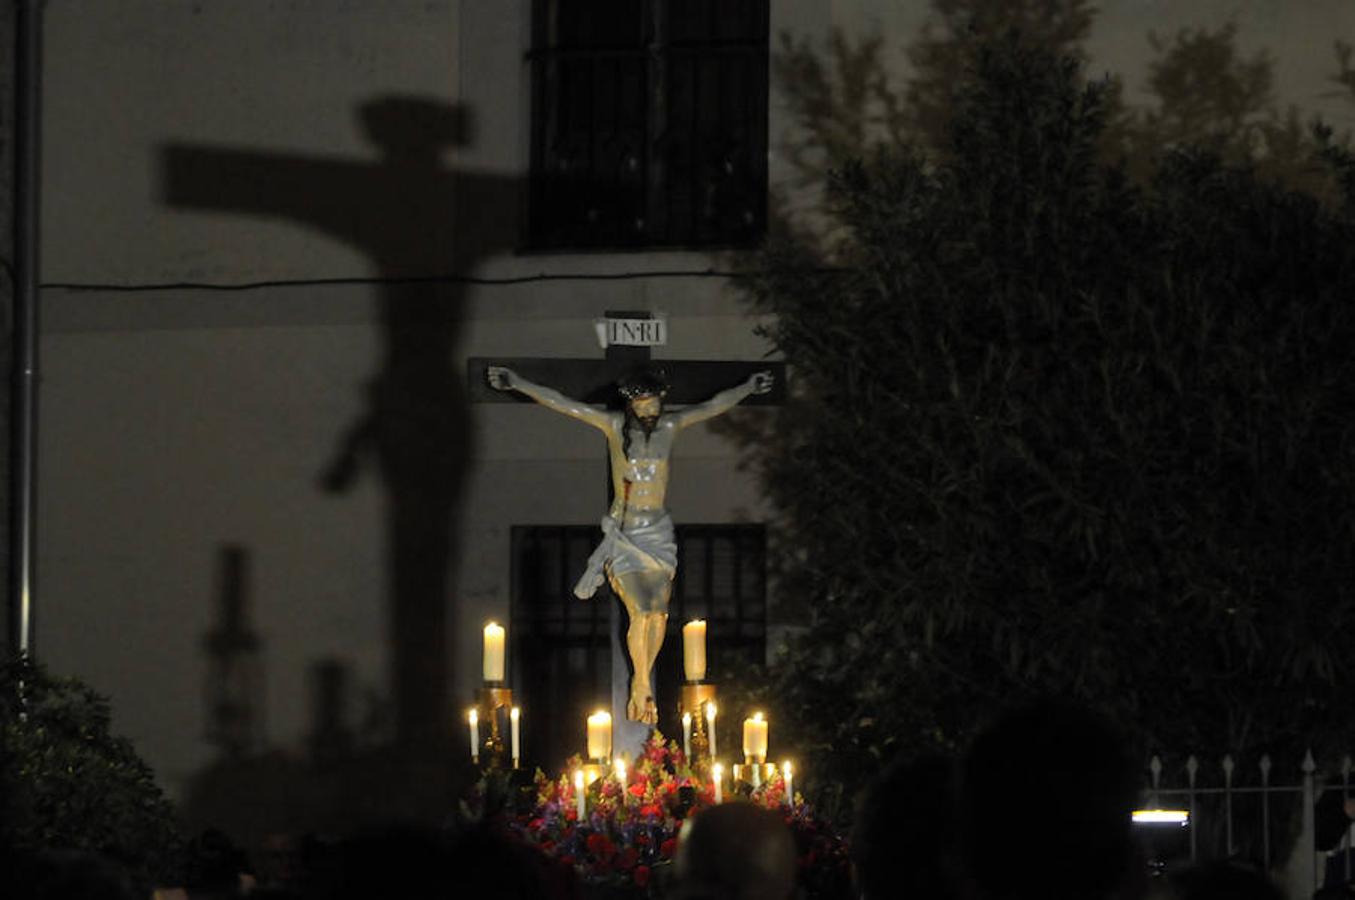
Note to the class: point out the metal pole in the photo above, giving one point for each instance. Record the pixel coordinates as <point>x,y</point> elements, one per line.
<point>28,70</point>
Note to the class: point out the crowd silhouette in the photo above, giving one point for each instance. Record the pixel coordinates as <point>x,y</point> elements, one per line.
<point>1037,808</point>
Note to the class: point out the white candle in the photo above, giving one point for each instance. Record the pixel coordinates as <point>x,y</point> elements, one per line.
<point>621,771</point>
<point>687,736</point>
<point>600,735</point>
<point>790,783</point>
<point>717,772</point>
<point>493,658</point>
<point>474,718</point>
<point>579,795</point>
<point>755,739</point>
<point>694,650</point>
<point>710,728</point>
<point>514,715</point>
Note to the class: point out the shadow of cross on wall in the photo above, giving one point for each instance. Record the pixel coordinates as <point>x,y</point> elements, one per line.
<point>414,217</point>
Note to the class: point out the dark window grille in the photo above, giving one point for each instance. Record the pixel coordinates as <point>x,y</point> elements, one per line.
<point>649,123</point>
<point>561,651</point>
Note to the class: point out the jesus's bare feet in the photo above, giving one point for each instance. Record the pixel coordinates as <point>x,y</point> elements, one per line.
<point>641,708</point>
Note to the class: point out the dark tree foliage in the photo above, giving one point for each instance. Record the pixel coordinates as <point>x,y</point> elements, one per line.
<point>67,783</point>
<point>1059,432</point>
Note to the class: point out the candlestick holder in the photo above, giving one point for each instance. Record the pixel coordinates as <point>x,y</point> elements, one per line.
<point>754,772</point>
<point>592,772</point>
<point>494,697</point>
<point>693,698</point>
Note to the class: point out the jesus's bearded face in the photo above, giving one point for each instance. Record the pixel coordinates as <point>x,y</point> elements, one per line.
<point>646,409</point>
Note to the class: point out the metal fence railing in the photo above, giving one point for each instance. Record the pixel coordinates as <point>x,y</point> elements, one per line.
<point>1252,812</point>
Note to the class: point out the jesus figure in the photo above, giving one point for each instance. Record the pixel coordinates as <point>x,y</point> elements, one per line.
<point>638,554</point>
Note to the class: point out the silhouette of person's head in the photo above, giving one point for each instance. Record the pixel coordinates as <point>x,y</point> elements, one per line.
<point>1223,881</point>
<point>489,863</point>
<point>903,843</point>
<point>1047,797</point>
<point>62,874</point>
<point>735,851</point>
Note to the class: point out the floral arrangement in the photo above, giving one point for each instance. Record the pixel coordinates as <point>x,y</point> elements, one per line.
<point>630,828</point>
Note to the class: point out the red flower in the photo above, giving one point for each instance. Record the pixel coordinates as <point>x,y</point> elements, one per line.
<point>567,860</point>
<point>601,846</point>
<point>535,824</point>
<point>668,848</point>
<point>571,814</point>
<point>650,811</point>
<point>637,789</point>
<point>628,858</point>
<point>640,876</point>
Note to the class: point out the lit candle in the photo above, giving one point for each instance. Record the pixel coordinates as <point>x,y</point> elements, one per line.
<point>579,795</point>
<point>493,652</point>
<point>600,735</point>
<point>474,718</point>
<point>621,771</point>
<point>755,739</point>
<point>710,728</point>
<point>694,649</point>
<point>514,715</point>
<point>717,772</point>
<point>789,779</point>
<point>687,736</point>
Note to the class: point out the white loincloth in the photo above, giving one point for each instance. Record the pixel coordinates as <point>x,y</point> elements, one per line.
<point>648,549</point>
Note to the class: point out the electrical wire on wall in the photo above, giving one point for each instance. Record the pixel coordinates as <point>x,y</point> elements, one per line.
<point>413,279</point>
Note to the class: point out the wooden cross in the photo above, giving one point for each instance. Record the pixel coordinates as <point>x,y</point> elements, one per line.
<point>595,381</point>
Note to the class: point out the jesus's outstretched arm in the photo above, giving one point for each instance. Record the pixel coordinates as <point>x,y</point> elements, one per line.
<point>502,378</point>
<point>758,383</point>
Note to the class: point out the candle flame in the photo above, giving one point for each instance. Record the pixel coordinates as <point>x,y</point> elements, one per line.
<point>578,778</point>
<point>514,713</point>
<point>686,718</point>
<point>473,716</point>
<point>621,770</point>
<point>717,771</point>
<point>710,710</point>
<point>757,717</point>
<point>785,767</point>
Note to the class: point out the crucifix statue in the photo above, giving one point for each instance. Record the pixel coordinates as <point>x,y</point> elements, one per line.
<point>640,413</point>
<point>637,554</point>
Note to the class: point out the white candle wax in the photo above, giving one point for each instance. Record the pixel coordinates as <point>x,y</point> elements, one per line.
<point>687,736</point>
<point>514,715</point>
<point>600,735</point>
<point>717,773</point>
<point>473,718</point>
<point>755,739</point>
<point>579,798</point>
<point>710,728</point>
<point>493,658</point>
<point>694,650</point>
<point>789,778</point>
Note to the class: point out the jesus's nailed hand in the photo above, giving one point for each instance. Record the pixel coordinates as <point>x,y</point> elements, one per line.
<point>500,378</point>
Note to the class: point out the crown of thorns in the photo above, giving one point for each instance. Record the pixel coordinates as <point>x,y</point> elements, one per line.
<point>648,383</point>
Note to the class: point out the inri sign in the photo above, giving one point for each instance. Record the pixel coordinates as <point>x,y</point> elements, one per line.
<point>631,332</point>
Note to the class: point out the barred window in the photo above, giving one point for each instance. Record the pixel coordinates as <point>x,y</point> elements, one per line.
<point>649,123</point>
<point>562,645</point>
